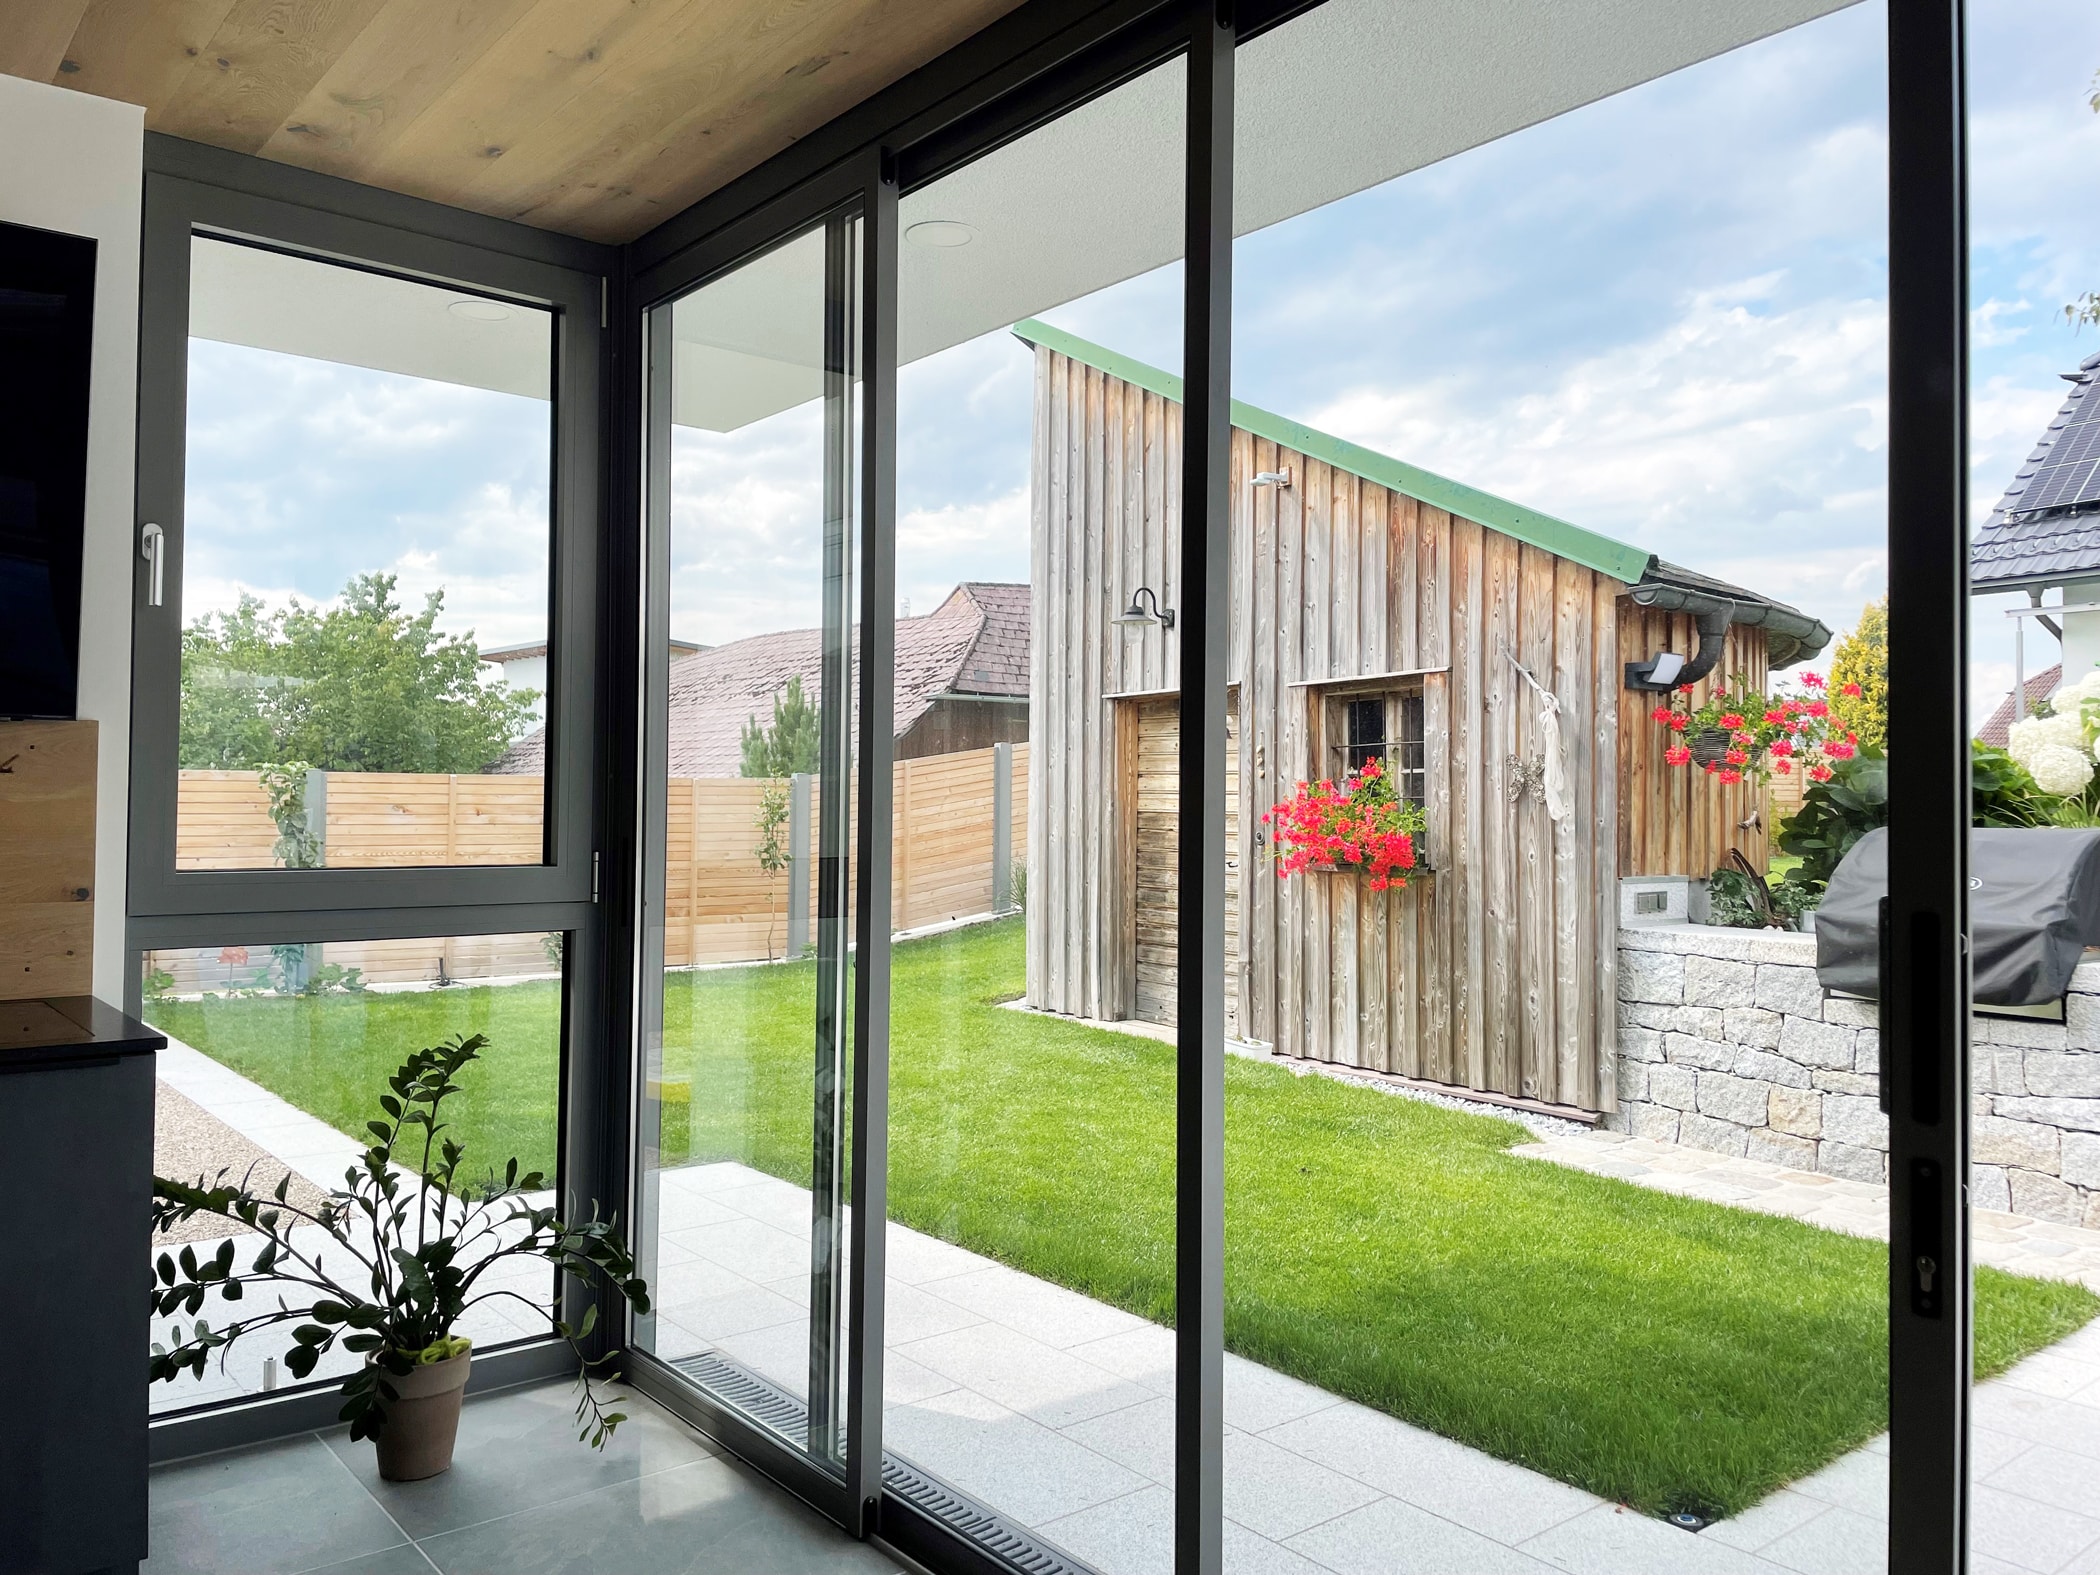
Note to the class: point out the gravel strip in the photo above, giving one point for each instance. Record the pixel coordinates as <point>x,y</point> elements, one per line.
<point>189,1141</point>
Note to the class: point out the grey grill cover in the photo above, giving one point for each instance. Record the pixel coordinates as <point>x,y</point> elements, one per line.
<point>2034,906</point>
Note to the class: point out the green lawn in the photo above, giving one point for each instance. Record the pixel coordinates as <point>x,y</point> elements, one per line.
<point>1653,1349</point>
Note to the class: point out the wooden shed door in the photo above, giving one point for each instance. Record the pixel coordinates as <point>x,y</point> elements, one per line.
<point>1156,877</point>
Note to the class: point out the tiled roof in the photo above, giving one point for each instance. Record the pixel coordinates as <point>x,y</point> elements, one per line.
<point>975,642</point>
<point>2038,688</point>
<point>2053,543</point>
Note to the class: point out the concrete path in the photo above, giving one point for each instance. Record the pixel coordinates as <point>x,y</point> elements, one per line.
<point>2013,1242</point>
<point>1057,1410</point>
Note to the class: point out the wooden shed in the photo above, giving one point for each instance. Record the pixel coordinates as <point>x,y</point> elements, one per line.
<point>1375,605</point>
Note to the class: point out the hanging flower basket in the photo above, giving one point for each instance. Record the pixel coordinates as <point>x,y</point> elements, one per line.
<point>1711,747</point>
<point>1740,731</point>
<point>1362,826</point>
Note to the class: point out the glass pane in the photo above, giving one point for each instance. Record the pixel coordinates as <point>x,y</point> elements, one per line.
<point>2034,1193</point>
<point>1551,1219</point>
<point>278,1056</point>
<point>364,569</point>
<point>743,1118</point>
<point>1031,1244</point>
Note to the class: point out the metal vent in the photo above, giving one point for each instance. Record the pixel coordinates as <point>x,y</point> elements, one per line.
<point>767,1403</point>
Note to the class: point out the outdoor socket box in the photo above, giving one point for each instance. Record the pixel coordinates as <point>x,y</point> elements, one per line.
<point>1649,900</point>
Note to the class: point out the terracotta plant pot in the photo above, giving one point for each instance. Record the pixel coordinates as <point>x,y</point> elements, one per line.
<point>421,1426</point>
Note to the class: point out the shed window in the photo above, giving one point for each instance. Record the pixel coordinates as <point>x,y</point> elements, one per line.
<point>1385,725</point>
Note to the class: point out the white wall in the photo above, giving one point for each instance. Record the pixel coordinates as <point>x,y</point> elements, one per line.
<point>72,163</point>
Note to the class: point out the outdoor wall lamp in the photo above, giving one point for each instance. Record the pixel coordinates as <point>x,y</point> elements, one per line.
<point>1144,608</point>
<point>1273,478</point>
<point>1656,675</point>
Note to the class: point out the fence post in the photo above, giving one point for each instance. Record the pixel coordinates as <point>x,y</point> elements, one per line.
<point>798,863</point>
<point>1002,828</point>
<point>313,802</point>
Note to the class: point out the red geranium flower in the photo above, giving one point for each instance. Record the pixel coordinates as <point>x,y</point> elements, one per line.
<point>1850,691</point>
<point>1820,773</point>
<point>1678,754</point>
<point>1730,774</point>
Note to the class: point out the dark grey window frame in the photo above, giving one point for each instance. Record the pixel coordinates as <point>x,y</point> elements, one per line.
<point>193,189</point>
<point>189,191</point>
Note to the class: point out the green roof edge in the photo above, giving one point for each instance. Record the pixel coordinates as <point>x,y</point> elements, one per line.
<point>1586,547</point>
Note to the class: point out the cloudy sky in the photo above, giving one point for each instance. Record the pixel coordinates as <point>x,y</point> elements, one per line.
<point>1661,316</point>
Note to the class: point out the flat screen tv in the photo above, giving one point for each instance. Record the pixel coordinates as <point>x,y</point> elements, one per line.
<point>47,331</point>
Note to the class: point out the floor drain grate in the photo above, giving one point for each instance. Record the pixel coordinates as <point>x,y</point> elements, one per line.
<point>767,1403</point>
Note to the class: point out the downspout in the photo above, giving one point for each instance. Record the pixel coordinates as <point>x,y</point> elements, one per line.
<point>1711,615</point>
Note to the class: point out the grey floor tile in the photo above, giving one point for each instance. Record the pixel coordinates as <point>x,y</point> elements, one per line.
<point>407,1559</point>
<point>1258,1398</point>
<point>1858,1482</point>
<point>2023,1532</point>
<point>1613,1540</point>
<point>1392,1538</point>
<point>1767,1521</point>
<point>1464,1486</point>
<point>1023,1374</point>
<point>271,1510</point>
<point>518,1449</point>
<point>1278,1494</point>
<point>1131,1535</point>
<point>707,1518</point>
<point>1016,1465</point>
<point>1836,1542</point>
<point>2067,1481</point>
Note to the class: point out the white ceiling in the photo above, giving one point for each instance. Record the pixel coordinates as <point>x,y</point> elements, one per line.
<point>1348,96</point>
<point>244,295</point>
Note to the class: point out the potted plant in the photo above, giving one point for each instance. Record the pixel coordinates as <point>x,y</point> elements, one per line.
<point>386,1267</point>
<point>1364,822</point>
<point>1738,731</point>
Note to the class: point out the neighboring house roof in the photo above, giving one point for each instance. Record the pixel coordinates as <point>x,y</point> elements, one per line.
<point>2037,689</point>
<point>2046,528</point>
<point>974,644</point>
<point>1794,635</point>
<point>497,655</point>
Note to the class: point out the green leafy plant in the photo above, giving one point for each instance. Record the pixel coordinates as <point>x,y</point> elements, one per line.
<point>772,850</point>
<point>1834,814</point>
<point>1739,897</point>
<point>359,684</point>
<point>2002,792</point>
<point>156,984</point>
<point>552,944</point>
<point>416,1253</point>
<point>790,744</point>
<point>284,784</point>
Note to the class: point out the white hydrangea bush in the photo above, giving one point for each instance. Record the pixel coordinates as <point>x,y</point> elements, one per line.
<point>2059,749</point>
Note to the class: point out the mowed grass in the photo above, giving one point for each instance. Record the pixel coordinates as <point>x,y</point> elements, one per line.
<point>1655,1350</point>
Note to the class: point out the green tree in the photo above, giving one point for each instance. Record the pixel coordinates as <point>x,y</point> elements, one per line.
<point>789,744</point>
<point>1863,658</point>
<point>771,821</point>
<point>360,686</point>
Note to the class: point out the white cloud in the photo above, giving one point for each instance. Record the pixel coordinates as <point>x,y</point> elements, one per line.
<point>1738,434</point>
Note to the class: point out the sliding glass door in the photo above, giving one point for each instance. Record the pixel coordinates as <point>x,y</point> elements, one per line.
<point>1352,1088</point>
<point>744,1095</point>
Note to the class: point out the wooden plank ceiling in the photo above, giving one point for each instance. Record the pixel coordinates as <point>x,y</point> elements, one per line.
<point>597,118</point>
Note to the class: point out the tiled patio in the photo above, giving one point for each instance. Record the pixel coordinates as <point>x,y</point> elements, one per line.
<point>1057,1409</point>
<point>2013,1242</point>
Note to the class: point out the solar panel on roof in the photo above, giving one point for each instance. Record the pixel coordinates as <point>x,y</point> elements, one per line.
<point>2067,473</point>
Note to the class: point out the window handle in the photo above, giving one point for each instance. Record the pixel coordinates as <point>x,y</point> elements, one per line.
<point>152,547</point>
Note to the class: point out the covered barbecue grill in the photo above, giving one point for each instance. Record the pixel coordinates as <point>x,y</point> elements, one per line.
<point>2034,906</point>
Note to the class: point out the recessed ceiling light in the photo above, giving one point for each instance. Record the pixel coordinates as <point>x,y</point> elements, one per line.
<point>476,310</point>
<point>946,234</point>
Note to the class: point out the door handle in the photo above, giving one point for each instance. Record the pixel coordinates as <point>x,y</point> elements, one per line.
<point>152,547</point>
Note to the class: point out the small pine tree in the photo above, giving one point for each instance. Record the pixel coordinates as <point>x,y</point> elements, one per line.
<point>1863,658</point>
<point>787,746</point>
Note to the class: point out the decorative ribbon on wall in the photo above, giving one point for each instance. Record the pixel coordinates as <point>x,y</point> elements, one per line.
<point>1549,775</point>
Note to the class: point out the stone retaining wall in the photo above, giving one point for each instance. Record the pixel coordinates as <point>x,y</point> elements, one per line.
<point>1727,1043</point>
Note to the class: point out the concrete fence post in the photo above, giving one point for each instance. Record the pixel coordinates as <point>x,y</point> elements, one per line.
<point>315,801</point>
<point>798,863</point>
<point>1002,828</point>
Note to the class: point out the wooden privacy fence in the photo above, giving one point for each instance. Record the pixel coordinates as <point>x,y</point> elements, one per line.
<point>721,905</point>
